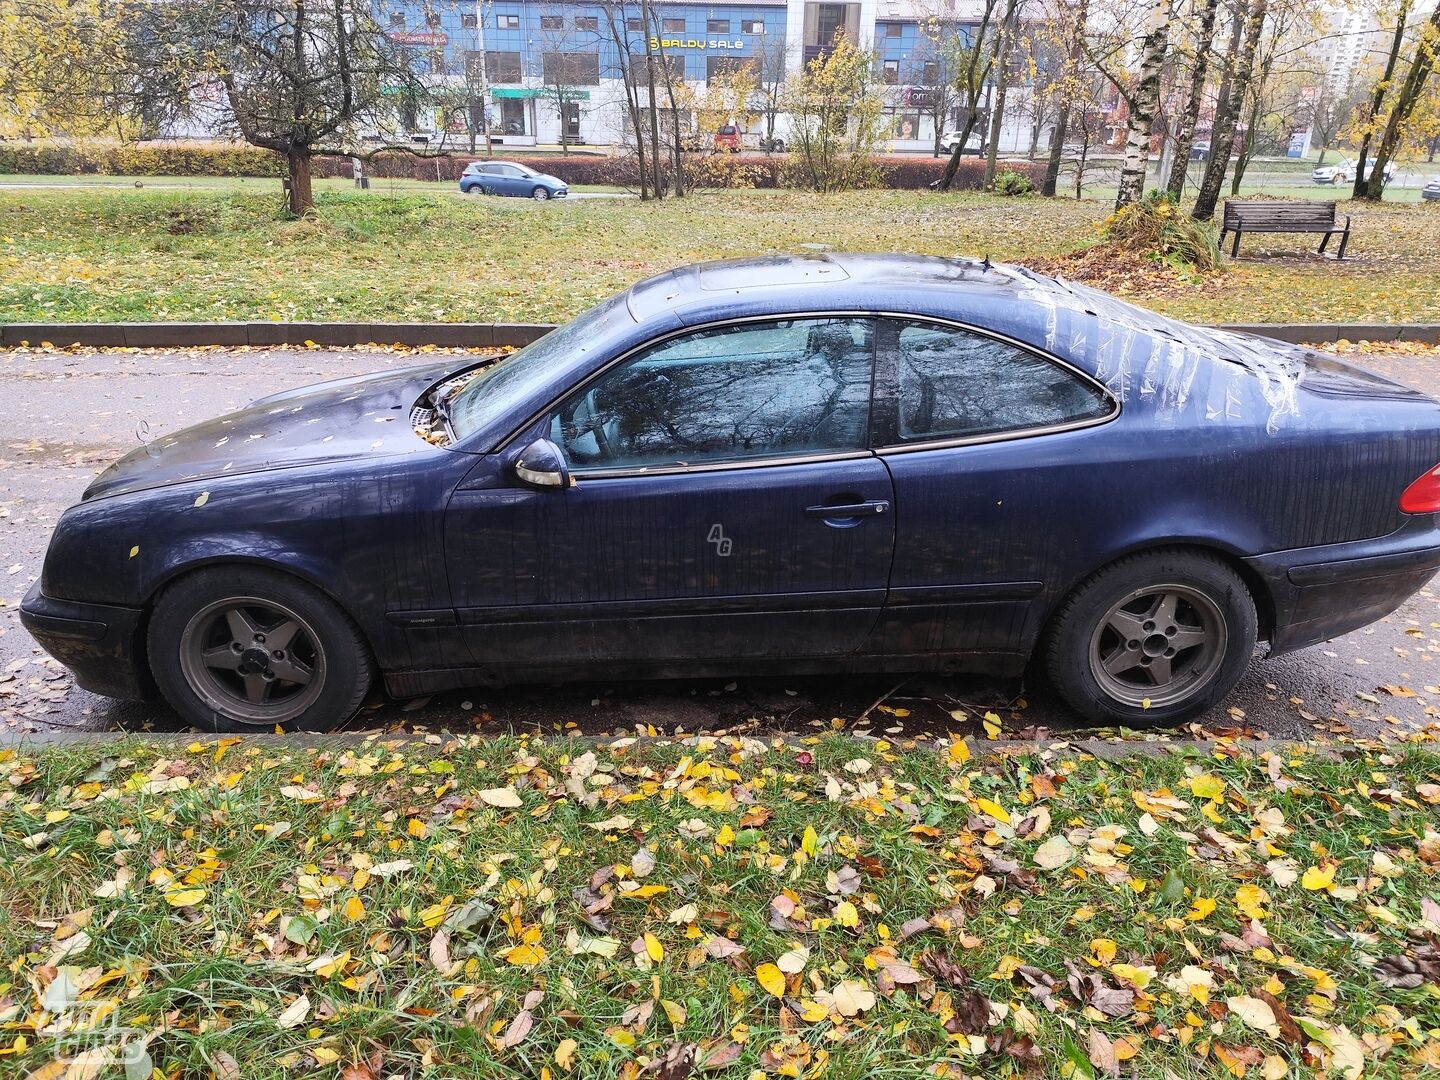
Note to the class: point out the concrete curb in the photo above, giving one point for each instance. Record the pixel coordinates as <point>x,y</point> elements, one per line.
<point>160,335</point>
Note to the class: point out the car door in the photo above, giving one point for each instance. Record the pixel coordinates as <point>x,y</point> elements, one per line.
<point>725,505</point>
<point>996,470</point>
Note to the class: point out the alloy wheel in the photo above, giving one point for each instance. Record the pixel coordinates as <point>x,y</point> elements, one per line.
<point>1158,645</point>
<point>253,660</point>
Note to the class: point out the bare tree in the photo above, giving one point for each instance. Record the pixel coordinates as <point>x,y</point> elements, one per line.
<point>1068,87</point>
<point>1421,68</point>
<point>771,72</point>
<point>293,76</point>
<point>1227,115</point>
<point>975,70</point>
<point>1377,102</point>
<point>1140,94</point>
<point>1004,40</point>
<point>936,67</point>
<point>617,26</point>
<point>1204,12</point>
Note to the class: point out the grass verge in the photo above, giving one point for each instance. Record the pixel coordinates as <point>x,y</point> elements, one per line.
<point>76,255</point>
<point>733,908</point>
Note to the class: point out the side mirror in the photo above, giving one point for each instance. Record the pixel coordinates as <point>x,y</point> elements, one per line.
<point>542,465</point>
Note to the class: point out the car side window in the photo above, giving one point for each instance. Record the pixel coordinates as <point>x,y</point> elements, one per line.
<point>730,393</point>
<point>953,384</point>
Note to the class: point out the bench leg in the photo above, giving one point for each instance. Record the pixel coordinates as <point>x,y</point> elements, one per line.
<point>1344,240</point>
<point>1235,247</point>
<point>1323,241</point>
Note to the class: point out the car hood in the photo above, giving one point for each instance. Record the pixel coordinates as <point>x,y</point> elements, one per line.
<point>363,416</point>
<point>551,180</point>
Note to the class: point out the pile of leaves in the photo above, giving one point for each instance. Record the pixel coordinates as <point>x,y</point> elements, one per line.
<point>722,907</point>
<point>1147,248</point>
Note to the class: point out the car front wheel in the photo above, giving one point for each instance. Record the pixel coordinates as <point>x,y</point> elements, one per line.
<point>540,194</point>
<point>247,649</point>
<point>1154,638</point>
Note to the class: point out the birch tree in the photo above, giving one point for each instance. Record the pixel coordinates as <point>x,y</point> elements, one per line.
<point>1227,115</point>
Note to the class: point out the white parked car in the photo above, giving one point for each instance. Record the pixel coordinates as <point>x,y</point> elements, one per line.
<point>973,145</point>
<point>1343,172</point>
<point>1431,191</point>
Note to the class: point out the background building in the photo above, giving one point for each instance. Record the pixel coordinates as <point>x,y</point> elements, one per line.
<point>551,72</point>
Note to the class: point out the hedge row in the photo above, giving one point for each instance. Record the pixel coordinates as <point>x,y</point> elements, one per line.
<point>192,159</point>
<point>139,159</point>
<point>714,170</point>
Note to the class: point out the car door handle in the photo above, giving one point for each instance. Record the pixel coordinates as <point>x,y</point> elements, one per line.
<point>849,510</point>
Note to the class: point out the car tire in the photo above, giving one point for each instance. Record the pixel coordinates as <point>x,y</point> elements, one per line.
<point>211,642</point>
<point>1162,599</point>
<point>540,194</point>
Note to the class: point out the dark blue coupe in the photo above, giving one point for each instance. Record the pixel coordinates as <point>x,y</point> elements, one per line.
<point>791,464</point>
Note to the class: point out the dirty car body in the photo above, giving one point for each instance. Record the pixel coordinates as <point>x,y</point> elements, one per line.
<point>794,464</point>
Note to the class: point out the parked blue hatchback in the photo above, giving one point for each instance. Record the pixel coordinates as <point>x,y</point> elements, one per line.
<point>511,178</point>
<point>789,464</point>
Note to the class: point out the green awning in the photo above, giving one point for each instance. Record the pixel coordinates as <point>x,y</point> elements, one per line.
<point>502,92</point>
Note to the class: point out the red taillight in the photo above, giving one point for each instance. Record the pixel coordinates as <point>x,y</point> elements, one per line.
<point>1423,496</point>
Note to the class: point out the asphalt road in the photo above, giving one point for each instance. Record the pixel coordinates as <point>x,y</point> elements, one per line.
<point>67,414</point>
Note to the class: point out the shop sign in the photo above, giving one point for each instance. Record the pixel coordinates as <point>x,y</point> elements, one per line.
<point>433,38</point>
<point>697,43</point>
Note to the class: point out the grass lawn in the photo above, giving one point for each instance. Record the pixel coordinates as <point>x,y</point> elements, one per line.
<point>118,254</point>
<point>837,908</point>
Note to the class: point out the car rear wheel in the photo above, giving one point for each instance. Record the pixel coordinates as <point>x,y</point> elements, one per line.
<point>1154,638</point>
<point>539,194</point>
<point>247,649</point>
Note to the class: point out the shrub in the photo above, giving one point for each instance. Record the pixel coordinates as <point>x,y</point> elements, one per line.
<point>752,170</point>
<point>1010,182</point>
<point>1156,228</point>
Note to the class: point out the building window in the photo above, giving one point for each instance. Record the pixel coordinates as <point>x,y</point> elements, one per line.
<point>437,61</point>
<point>724,65</point>
<point>930,74</point>
<point>893,30</point>
<point>587,22</point>
<point>397,20</point>
<point>507,22</point>
<point>634,25</point>
<point>552,22</point>
<point>502,67</point>
<point>473,59</point>
<point>571,68</point>
<point>469,22</point>
<point>752,26</point>
<point>432,19</point>
<point>673,26</point>
<point>717,26</point>
<point>890,73</point>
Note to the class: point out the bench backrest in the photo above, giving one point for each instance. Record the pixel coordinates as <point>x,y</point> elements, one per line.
<point>1272,213</point>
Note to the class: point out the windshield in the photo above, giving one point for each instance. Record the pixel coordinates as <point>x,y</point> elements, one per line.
<point>502,387</point>
<point>525,170</point>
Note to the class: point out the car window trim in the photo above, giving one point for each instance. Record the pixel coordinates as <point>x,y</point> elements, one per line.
<point>710,466</point>
<point>885,403</point>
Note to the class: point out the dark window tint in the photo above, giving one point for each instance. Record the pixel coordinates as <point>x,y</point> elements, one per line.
<point>717,26</point>
<point>508,22</point>
<point>753,390</point>
<point>587,22</point>
<point>673,26</point>
<point>571,68</point>
<point>469,22</point>
<point>954,384</point>
<point>635,25</point>
<point>552,22</point>
<point>752,26</point>
<point>397,19</point>
<point>502,67</point>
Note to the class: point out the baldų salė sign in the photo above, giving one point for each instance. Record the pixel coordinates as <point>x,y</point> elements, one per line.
<point>696,43</point>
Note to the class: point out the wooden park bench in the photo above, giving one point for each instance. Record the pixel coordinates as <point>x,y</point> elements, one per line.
<point>1274,216</point>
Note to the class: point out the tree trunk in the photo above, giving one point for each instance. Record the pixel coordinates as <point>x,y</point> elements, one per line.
<point>302,195</point>
<point>999,66</point>
<point>1361,188</point>
<point>1051,183</point>
<point>1227,116</point>
<point>974,81</point>
<point>1185,136</point>
<point>1143,104</point>
<point>1410,90</point>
